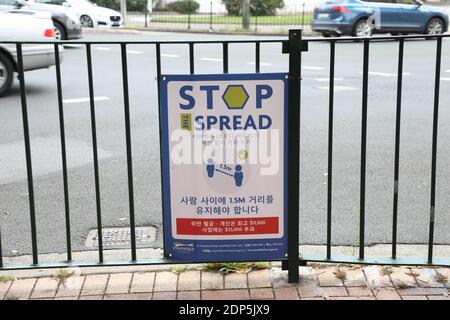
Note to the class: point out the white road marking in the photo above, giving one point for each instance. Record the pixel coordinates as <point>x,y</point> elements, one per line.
<point>445,79</point>
<point>167,55</point>
<point>134,52</point>
<point>448,70</point>
<point>338,88</point>
<point>83,100</point>
<point>312,68</point>
<point>212,59</point>
<point>265,64</point>
<point>385,74</point>
<point>328,79</point>
<point>102,49</point>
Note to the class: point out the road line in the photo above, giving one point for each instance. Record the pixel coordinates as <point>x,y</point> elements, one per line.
<point>389,75</point>
<point>312,68</point>
<point>337,88</point>
<point>134,52</point>
<point>84,100</point>
<point>265,64</point>
<point>167,55</point>
<point>448,70</point>
<point>102,49</point>
<point>445,79</point>
<point>212,59</point>
<point>328,79</point>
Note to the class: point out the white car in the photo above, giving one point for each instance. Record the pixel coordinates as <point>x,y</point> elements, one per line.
<point>25,26</point>
<point>89,13</point>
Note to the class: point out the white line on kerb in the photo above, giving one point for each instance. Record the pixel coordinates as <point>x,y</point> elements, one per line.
<point>337,88</point>
<point>134,52</point>
<point>445,79</point>
<point>312,68</point>
<point>211,59</point>
<point>103,49</point>
<point>328,79</point>
<point>83,100</point>
<point>265,64</point>
<point>167,55</point>
<point>448,70</point>
<point>385,74</point>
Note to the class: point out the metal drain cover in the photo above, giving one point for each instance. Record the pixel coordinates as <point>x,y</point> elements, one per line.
<point>121,237</point>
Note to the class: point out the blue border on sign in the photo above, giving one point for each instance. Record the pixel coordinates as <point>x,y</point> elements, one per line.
<point>279,252</point>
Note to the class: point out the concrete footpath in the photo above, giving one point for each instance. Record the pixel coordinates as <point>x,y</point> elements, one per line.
<point>317,282</point>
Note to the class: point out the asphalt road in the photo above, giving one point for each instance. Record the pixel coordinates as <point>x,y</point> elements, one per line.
<point>415,149</point>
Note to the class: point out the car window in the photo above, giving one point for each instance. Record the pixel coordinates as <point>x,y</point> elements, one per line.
<point>7,2</point>
<point>382,1</point>
<point>406,1</point>
<point>54,2</point>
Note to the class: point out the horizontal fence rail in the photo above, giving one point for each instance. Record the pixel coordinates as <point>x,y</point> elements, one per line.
<point>224,47</point>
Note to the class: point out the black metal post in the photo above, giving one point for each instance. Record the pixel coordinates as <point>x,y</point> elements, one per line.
<point>189,15</point>
<point>210,16</point>
<point>303,15</point>
<point>295,48</point>
<point>146,13</point>
<point>26,135</point>
<point>434,148</point>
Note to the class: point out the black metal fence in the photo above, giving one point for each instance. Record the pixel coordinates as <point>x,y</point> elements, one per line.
<point>293,47</point>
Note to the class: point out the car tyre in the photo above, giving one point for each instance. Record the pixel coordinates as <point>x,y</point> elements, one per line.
<point>6,74</point>
<point>435,26</point>
<point>326,35</point>
<point>60,32</point>
<point>86,21</point>
<point>362,29</point>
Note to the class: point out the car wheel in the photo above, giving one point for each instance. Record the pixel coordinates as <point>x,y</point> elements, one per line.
<point>326,35</point>
<point>6,74</point>
<point>86,22</point>
<point>60,33</point>
<point>362,29</point>
<point>435,26</point>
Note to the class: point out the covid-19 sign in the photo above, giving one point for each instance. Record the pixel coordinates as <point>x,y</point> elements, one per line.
<point>224,166</point>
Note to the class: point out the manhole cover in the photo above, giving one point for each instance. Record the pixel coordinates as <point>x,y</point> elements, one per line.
<point>121,237</point>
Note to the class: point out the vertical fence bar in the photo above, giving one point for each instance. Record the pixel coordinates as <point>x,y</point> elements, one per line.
<point>189,15</point>
<point>330,147</point>
<point>362,207</point>
<point>295,39</point>
<point>63,152</point>
<point>303,15</point>
<point>126,103</point>
<point>191,58</point>
<point>26,135</point>
<point>210,16</point>
<point>95,153</point>
<point>225,57</point>
<point>1,250</point>
<point>257,57</point>
<point>434,148</point>
<point>397,147</point>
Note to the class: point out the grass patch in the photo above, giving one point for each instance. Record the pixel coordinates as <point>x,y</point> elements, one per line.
<point>441,278</point>
<point>263,20</point>
<point>340,274</point>
<point>178,269</point>
<point>238,267</point>
<point>386,271</point>
<point>4,279</point>
<point>62,275</point>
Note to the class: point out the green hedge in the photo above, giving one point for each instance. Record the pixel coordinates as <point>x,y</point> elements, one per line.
<point>257,7</point>
<point>184,6</point>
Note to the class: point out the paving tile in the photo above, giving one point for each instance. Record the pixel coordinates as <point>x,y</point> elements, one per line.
<point>212,280</point>
<point>45,288</point>
<point>436,297</point>
<point>188,295</point>
<point>352,298</point>
<point>314,292</point>
<point>422,291</point>
<point>279,278</point>
<point>386,294</point>
<point>142,282</point>
<point>327,278</point>
<point>171,295</point>
<point>308,277</point>
<point>427,277</point>
<point>119,283</point>
<point>236,281</point>
<point>166,281</point>
<point>377,277</point>
<point>66,298</point>
<point>414,298</point>
<point>444,273</point>
<point>259,279</point>
<point>355,278</point>
<point>261,293</point>
<point>402,277</point>
<point>189,280</point>
<point>71,287</point>
<point>288,293</point>
<point>4,286</point>
<point>95,297</point>
<point>130,296</point>
<point>359,292</point>
<point>235,294</point>
<point>94,285</point>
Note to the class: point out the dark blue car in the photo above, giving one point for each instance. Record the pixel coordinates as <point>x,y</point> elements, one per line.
<point>364,18</point>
